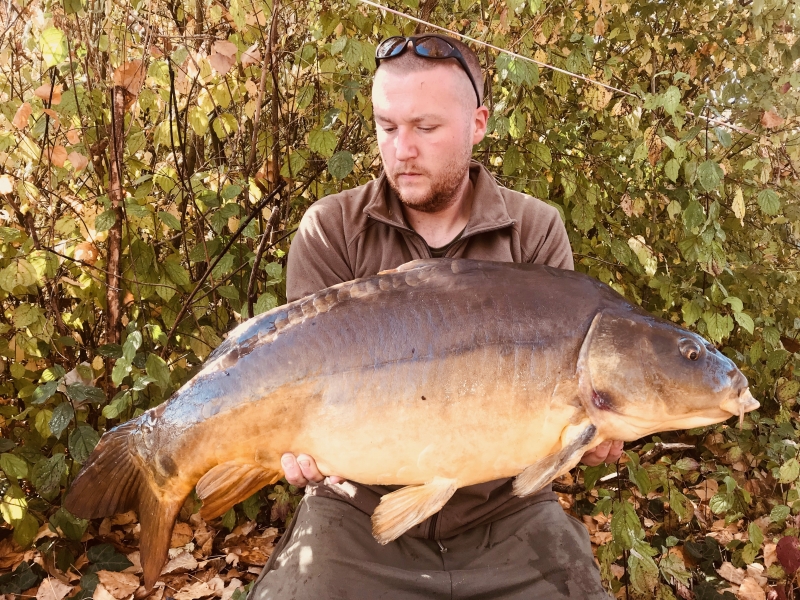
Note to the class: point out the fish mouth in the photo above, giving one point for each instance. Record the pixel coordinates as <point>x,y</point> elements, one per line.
<point>740,404</point>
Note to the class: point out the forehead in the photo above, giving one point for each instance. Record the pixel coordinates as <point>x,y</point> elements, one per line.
<point>439,84</point>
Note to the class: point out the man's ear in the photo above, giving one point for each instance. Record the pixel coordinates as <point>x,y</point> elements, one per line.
<point>479,119</point>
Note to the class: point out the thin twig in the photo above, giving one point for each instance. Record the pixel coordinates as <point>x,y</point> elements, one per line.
<point>210,268</point>
<point>267,234</point>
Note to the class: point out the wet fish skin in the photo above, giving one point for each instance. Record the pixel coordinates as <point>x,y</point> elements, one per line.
<point>440,374</point>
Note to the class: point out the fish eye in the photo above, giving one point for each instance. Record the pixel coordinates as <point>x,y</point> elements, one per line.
<point>689,348</point>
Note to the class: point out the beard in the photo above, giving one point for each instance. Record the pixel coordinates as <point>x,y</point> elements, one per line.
<point>443,189</point>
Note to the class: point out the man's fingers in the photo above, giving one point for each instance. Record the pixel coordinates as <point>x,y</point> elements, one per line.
<point>291,470</point>
<point>615,451</point>
<point>309,468</point>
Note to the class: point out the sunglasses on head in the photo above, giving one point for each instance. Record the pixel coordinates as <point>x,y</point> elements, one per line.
<point>426,46</point>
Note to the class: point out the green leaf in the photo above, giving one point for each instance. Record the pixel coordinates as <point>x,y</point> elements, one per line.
<point>672,169</point>
<point>769,202</point>
<point>229,519</point>
<point>14,507</point>
<point>169,220</point>
<point>252,506</point>
<point>44,392</point>
<point>719,326</point>
<point>266,301</point>
<point>69,524</point>
<point>105,221</point>
<point>53,44</point>
<point>80,393</point>
<point>709,173</point>
<point>671,100</point>
<point>198,119</point>
<point>341,164</point>
<point>175,270</point>
<point>13,466</point>
<point>756,535</point>
<point>46,475</point>
<point>25,530</point>
<point>625,525</point>
<point>789,471</point>
<point>322,141</point>
<point>583,216</point>
<point>721,503</point>
<point>82,441</point>
<point>158,369</point>
<point>106,558</point>
<point>62,416</point>
<point>19,273</point>
<point>780,513</point>
<point>745,321</point>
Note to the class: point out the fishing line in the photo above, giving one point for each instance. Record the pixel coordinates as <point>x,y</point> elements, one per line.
<point>540,63</point>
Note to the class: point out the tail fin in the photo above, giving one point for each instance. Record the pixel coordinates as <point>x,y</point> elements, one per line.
<point>113,481</point>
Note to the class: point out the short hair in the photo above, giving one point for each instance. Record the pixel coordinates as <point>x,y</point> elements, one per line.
<point>410,61</point>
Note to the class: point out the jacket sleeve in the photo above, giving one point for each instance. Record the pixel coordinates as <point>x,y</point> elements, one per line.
<point>547,241</point>
<point>318,255</point>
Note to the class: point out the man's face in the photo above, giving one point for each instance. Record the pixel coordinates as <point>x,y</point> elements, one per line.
<point>427,124</point>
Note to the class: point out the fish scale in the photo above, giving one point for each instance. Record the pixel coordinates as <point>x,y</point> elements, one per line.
<point>436,375</point>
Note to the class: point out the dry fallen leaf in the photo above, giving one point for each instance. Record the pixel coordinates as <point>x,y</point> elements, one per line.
<point>181,535</point>
<point>101,593</point>
<point>77,160</point>
<point>201,589</point>
<point>130,76</point>
<point>156,52</point>
<point>52,589</point>
<point>119,585</point>
<point>770,554</point>
<point>251,56</point>
<point>730,573</point>
<point>750,590</point>
<point>43,92</point>
<point>6,187</point>
<point>771,119</point>
<point>184,561</point>
<point>21,117</point>
<point>58,155</point>
<point>223,56</point>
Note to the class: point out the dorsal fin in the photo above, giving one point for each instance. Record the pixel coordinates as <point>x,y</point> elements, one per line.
<point>229,483</point>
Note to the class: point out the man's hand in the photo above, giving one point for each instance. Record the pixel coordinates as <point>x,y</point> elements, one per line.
<point>607,452</point>
<point>302,469</point>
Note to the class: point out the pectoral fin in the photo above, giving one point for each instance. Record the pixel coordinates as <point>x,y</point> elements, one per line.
<point>401,510</point>
<point>576,439</point>
<point>229,483</point>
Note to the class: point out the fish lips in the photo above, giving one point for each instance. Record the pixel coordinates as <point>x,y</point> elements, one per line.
<point>743,403</point>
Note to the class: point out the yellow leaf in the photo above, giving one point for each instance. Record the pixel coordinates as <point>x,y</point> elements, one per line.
<point>738,205</point>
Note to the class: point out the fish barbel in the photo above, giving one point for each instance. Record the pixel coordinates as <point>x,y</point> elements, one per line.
<point>436,375</point>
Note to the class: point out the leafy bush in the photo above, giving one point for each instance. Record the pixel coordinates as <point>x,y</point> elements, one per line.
<point>124,259</point>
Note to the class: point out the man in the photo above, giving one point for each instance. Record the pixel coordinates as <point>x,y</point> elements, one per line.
<point>431,201</point>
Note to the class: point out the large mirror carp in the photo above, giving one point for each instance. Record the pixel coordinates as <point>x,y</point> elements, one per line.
<point>436,375</point>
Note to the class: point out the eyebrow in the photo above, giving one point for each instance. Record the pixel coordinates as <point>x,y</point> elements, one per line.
<point>419,119</point>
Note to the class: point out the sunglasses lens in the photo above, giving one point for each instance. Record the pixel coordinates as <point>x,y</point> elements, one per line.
<point>434,48</point>
<point>390,47</point>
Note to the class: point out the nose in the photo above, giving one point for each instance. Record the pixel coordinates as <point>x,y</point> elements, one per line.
<point>405,146</point>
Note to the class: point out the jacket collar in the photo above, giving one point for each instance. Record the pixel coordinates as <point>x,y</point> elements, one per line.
<point>489,210</point>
